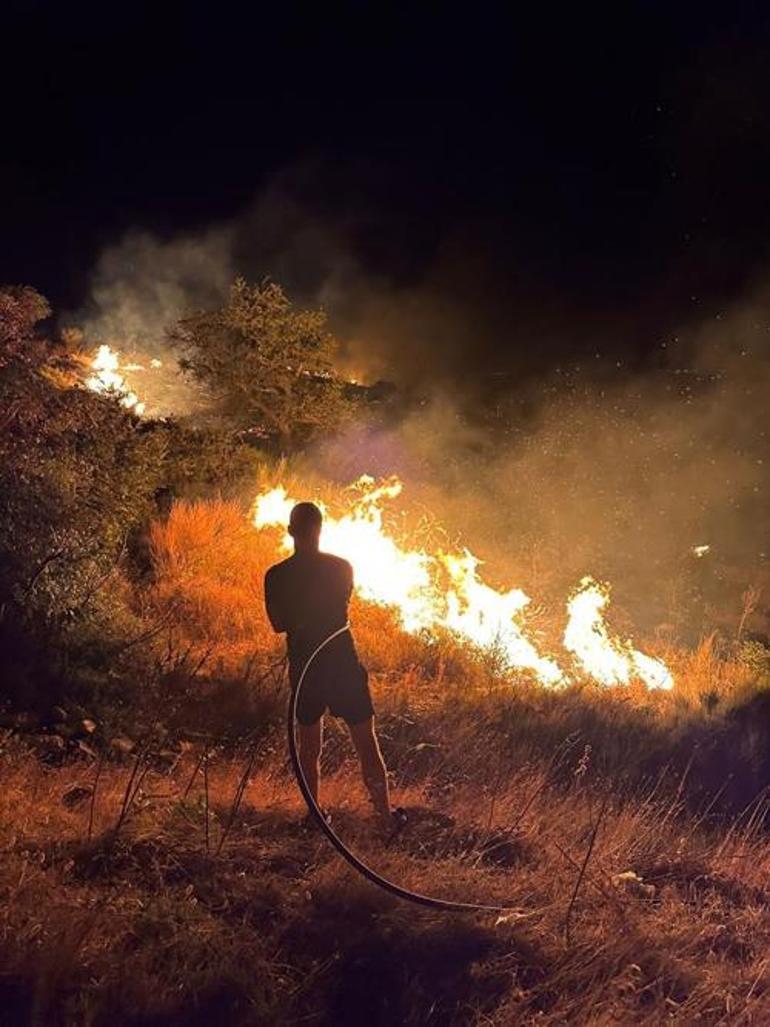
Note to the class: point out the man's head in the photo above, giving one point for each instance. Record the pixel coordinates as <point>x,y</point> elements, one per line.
<point>305,525</point>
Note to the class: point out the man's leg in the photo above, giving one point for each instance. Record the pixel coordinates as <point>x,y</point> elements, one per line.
<point>372,766</point>
<point>310,738</point>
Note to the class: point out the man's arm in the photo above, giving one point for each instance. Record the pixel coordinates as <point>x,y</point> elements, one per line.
<point>275,614</point>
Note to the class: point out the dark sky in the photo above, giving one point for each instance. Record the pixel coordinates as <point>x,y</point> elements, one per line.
<point>595,176</point>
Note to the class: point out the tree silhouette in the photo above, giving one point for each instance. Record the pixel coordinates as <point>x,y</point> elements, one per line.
<point>268,365</point>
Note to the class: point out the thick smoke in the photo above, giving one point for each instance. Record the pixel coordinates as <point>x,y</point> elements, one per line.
<point>139,287</point>
<point>548,475</point>
<point>620,477</point>
<point>143,283</point>
<point>416,333</point>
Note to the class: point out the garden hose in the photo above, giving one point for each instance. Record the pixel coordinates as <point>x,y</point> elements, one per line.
<point>358,864</point>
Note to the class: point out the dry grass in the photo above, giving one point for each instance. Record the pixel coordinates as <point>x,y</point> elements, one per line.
<point>209,572</point>
<point>209,565</point>
<point>625,828</point>
<point>152,925</point>
<point>209,568</point>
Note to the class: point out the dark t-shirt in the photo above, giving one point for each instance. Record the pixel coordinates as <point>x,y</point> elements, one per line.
<point>307,597</point>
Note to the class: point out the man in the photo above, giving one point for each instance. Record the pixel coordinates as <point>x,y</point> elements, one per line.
<point>307,598</point>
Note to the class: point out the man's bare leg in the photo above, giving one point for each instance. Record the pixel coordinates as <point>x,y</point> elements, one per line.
<point>310,739</point>
<point>372,766</point>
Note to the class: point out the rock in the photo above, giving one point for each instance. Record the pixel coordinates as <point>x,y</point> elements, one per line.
<point>89,726</point>
<point>75,796</point>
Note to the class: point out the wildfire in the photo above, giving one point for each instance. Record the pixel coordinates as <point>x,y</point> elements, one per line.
<point>107,377</point>
<point>605,658</point>
<point>445,590</point>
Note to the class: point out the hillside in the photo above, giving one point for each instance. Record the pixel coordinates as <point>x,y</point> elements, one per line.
<point>166,874</point>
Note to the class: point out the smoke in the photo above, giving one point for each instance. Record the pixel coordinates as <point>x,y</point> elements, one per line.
<point>620,476</point>
<point>416,331</point>
<point>548,473</point>
<point>139,287</point>
<point>144,283</point>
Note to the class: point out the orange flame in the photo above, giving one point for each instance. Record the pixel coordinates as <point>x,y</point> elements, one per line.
<point>608,660</point>
<point>445,590</point>
<point>107,378</point>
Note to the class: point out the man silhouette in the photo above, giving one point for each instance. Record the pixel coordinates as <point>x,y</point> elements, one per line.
<point>307,597</point>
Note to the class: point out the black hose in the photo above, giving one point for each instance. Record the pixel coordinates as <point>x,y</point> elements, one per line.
<point>350,857</point>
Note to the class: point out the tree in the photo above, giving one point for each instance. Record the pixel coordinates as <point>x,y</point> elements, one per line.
<point>78,474</point>
<point>268,365</point>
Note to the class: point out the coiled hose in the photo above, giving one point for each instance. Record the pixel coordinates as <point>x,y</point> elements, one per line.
<point>358,864</point>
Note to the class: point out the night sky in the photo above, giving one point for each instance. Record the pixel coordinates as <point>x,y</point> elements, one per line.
<point>593,178</point>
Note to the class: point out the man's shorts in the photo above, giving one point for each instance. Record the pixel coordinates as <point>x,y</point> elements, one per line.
<point>335,682</point>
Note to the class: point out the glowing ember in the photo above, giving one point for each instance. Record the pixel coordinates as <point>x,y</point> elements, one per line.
<point>606,659</point>
<point>107,378</point>
<point>440,590</point>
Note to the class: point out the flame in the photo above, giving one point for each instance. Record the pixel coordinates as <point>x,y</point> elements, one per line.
<point>385,573</point>
<point>604,658</point>
<point>444,590</point>
<point>107,378</point>
<point>489,618</point>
